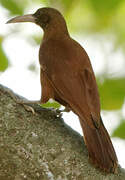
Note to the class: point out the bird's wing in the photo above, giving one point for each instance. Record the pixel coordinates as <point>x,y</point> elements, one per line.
<point>75,84</point>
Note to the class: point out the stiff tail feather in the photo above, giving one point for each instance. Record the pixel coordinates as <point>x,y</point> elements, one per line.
<point>100,148</point>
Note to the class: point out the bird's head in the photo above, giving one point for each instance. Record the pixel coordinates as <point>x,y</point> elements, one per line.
<point>44,17</point>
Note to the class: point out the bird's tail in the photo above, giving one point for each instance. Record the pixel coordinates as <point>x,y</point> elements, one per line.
<point>100,148</point>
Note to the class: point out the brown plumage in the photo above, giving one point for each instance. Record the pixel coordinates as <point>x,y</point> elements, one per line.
<point>67,76</point>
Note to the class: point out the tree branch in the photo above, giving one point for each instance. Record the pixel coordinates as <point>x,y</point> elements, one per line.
<point>42,146</point>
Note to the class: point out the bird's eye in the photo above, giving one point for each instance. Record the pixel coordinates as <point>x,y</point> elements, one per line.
<point>38,13</point>
<point>45,18</point>
<point>42,18</point>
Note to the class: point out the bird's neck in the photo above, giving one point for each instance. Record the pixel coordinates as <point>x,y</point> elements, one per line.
<point>56,31</point>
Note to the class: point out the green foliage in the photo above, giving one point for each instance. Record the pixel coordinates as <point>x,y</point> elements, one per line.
<point>120,130</point>
<point>104,7</point>
<point>3,57</point>
<point>51,104</point>
<point>112,92</point>
<point>36,39</point>
<point>104,13</point>
<point>13,6</point>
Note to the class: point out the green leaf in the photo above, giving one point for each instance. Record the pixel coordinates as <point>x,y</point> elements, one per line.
<point>15,7</point>
<point>51,104</point>
<point>3,57</point>
<point>36,39</point>
<point>120,131</point>
<point>104,7</point>
<point>112,93</point>
<point>104,13</point>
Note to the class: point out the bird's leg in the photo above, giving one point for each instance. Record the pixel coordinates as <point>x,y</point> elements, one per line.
<point>21,100</point>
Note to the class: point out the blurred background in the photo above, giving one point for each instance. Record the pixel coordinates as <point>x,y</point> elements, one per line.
<point>98,26</point>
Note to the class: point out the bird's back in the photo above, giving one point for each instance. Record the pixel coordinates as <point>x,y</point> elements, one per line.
<point>69,68</point>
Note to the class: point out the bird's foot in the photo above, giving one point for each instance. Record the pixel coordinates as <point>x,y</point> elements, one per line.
<point>27,104</point>
<point>29,108</point>
<point>20,100</point>
<point>59,112</point>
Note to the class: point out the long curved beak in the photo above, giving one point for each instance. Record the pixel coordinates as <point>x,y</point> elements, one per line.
<point>25,18</point>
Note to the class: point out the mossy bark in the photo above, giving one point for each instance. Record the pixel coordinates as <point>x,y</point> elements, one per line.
<point>42,146</point>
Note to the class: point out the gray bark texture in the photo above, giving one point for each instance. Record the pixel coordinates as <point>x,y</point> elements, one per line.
<point>41,146</point>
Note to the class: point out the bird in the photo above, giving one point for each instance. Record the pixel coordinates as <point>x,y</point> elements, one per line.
<point>67,76</point>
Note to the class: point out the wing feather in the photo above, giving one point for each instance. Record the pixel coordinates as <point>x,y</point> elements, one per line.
<point>72,77</point>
